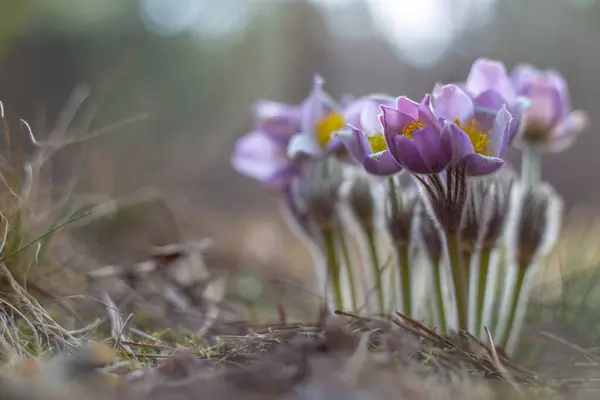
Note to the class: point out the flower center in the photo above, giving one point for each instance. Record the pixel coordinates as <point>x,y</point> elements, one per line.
<point>327,126</point>
<point>478,139</point>
<point>410,129</point>
<point>377,142</point>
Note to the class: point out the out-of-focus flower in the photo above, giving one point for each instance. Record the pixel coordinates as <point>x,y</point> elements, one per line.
<point>364,137</point>
<point>315,192</point>
<point>427,138</point>
<point>491,88</point>
<point>550,125</point>
<point>320,118</point>
<point>262,154</point>
<point>535,224</point>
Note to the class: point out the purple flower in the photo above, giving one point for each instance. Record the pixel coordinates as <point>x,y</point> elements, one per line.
<point>363,136</point>
<point>427,138</point>
<point>549,121</point>
<point>491,88</point>
<point>262,154</point>
<point>320,118</point>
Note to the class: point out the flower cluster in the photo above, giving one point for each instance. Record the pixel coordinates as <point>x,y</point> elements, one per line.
<point>425,180</point>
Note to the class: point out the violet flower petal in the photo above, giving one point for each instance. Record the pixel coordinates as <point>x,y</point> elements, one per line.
<point>434,153</point>
<point>302,144</point>
<point>407,106</point>
<point>451,103</point>
<point>381,164</point>
<point>479,165</point>
<point>356,143</point>
<point>257,156</point>
<point>408,156</point>
<point>498,138</point>
<point>486,74</point>
<point>456,142</point>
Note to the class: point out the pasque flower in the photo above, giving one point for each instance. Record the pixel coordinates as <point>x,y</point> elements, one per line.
<point>320,118</point>
<point>491,88</point>
<point>363,135</point>
<point>550,125</point>
<point>262,154</point>
<point>428,137</point>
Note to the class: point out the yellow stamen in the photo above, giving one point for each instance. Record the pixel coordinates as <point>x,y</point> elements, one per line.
<point>478,139</point>
<point>377,142</point>
<point>410,129</point>
<point>327,126</point>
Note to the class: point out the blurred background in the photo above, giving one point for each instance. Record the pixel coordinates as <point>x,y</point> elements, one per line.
<point>185,74</point>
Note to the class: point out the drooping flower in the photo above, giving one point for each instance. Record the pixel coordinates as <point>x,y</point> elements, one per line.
<point>491,88</point>
<point>363,137</point>
<point>262,154</point>
<point>320,118</point>
<point>428,137</point>
<point>550,125</point>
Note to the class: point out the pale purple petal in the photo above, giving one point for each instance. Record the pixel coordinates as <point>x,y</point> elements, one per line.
<point>546,103</point>
<point>522,76</point>
<point>407,155</point>
<point>394,121</point>
<point>489,74</point>
<point>282,177</point>
<point>456,142</point>
<point>498,139</point>
<point>258,157</point>
<point>489,99</point>
<point>356,143</point>
<point>369,119</point>
<point>407,106</point>
<point>451,103</point>
<point>334,144</point>
<point>312,109</point>
<point>381,164</point>
<point>517,111</point>
<point>429,144</point>
<point>567,130</point>
<point>478,165</point>
<point>425,114</point>
<point>303,145</point>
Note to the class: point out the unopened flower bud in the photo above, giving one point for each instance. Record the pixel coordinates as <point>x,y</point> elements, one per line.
<point>536,225</point>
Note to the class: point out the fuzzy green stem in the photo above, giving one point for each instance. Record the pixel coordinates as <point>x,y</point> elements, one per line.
<point>458,280</point>
<point>499,287</point>
<point>349,269</point>
<point>514,304</point>
<point>531,166</point>
<point>439,296</point>
<point>484,266</point>
<point>405,278</point>
<point>372,246</point>
<point>466,262</point>
<point>394,203</point>
<point>333,268</point>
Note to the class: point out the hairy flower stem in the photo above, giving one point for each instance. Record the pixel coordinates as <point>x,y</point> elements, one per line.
<point>484,266</point>
<point>333,267</point>
<point>394,204</point>
<point>531,166</point>
<point>516,297</point>
<point>349,265</point>
<point>372,248</point>
<point>439,297</point>
<point>458,279</point>
<point>403,260</point>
